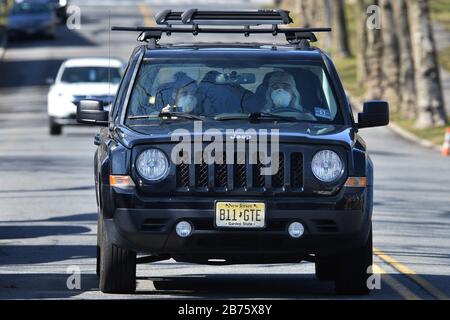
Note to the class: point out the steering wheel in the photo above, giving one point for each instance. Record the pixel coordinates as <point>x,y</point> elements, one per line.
<point>285,109</point>
<point>308,115</point>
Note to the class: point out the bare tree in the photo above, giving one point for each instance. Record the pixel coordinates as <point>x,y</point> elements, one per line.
<point>303,8</point>
<point>373,55</point>
<point>361,29</point>
<point>390,58</point>
<point>327,21</point>
<point>341,46</point>
<point>277,3</point>
<point>430,104</point>
<point>407,89</point>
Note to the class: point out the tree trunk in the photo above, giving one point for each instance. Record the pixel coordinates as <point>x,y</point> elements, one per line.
<point>341,47</point>
<point>407,88</point>
<point>303,7</point>
<point>430,107</point>
<point>361,29</point>
<point>277,3</point>
<point>373,54</point>
<point>328,22</point>
<point>390,58</point>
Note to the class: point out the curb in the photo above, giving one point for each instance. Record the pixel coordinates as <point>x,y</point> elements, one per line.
<point>405,134</point>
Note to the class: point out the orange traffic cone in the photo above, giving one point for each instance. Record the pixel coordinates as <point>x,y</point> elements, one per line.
<point>446,146</point>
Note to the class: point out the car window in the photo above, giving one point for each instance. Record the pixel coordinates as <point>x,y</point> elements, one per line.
<point>91,74</point>
<point>210,88</point>
<point>29,7</point>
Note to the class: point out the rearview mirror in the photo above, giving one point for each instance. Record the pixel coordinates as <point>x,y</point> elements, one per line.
<point>375,113</point>
<point>92,112</point>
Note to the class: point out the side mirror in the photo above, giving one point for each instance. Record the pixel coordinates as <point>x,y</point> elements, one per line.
<point>375,114</point>
<point>91,112</point>
<point>49,81</point>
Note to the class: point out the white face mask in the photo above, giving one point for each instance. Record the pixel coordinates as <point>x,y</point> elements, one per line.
<point>186,103</point>
<point>281,98</point>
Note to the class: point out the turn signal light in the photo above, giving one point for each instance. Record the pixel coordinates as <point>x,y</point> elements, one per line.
<point>121,182</point>
<point>356,182</point>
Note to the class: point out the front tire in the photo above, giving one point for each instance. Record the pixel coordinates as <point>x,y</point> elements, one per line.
<point>353,271</point>
<point>99,234</point>
<point>55,129</point>
<point>117,266</point>
<point>326,269</point>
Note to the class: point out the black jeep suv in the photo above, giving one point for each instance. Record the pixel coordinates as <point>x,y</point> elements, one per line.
<point>232,153</point>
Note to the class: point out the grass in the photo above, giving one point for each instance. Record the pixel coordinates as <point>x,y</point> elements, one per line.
<point>434,135</point>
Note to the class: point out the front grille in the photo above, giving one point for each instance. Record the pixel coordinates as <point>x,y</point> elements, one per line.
<point>296,170</point>
<point>201,175</point>
<point>221,174</point>
<point>182,173</point>
<point>242,176</point>
<point>278,178</point>
<point>105,98</point>
<point>240,171</point>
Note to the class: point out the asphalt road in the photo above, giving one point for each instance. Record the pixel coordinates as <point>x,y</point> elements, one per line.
<point>48,208</point>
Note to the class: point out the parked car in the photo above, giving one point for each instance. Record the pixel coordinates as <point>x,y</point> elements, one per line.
<point>60,8</point>
<point>161,201</point>
<point>29,18</point>
<point>79,79</point>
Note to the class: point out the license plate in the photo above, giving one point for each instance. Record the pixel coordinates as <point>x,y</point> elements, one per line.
<point>240,214</point>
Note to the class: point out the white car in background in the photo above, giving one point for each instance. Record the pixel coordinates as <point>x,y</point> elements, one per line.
<point>79,79</point>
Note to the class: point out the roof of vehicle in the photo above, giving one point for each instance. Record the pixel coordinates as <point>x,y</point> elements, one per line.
<point>94,62</point>
<point>249,49</point>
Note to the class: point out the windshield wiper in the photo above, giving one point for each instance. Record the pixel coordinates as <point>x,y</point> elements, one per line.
<point>170,115</point>
<point>255,116</point>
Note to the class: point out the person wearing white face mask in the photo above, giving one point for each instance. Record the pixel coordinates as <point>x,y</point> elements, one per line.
<point>185,100</point>
<point>282,93</point>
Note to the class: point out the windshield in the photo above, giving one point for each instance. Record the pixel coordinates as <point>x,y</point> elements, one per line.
<point>221,89</point>
<point>91,74</point>
<point>29,7</point>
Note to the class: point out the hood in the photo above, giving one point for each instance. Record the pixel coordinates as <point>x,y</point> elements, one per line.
<point>291,132</point>
<point>86,89</point>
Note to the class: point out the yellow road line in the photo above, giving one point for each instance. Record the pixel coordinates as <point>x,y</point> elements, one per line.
<point>395,285</point>
<point>146,12</point>
<point>427,286</point>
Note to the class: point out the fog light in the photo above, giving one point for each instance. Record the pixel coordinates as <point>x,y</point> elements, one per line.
<point>296,229</point>
<point>183,229</point>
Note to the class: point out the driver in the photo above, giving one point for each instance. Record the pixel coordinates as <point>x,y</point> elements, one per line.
<point>186,99</point>
<point>282,93</point>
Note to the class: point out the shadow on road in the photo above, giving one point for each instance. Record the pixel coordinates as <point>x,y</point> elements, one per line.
<point>26,232</point>
<point>64,38</point>
<point>35,254</point>
<point>28,73</point>
<point>44,163</point>
<point>242,285</point>
<point>34,72</point>
<point>42,285</point>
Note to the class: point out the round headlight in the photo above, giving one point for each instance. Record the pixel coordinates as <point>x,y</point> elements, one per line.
<point>152,164</point>
<point>327,166</point>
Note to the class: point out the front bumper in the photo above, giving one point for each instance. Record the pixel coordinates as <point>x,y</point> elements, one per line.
<point>28,31</point>
<point>330,228</point>
<point>66,121</point>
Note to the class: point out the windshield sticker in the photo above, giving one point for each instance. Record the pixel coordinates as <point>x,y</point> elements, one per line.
<point>322,113</point>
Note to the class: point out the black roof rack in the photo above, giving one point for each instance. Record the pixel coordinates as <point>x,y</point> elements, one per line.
<point>191,19</point>
<point>224,18</point>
